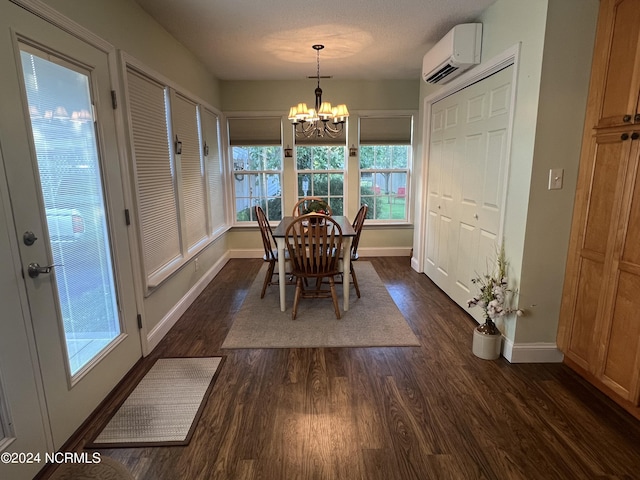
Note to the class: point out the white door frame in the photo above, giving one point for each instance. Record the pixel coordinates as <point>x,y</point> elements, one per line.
<point>482,71</point>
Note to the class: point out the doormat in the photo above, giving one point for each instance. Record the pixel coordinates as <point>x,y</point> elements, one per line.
<point>165,407</point>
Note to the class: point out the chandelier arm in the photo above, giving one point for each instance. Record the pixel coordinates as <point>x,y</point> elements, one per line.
<point>329,128</point>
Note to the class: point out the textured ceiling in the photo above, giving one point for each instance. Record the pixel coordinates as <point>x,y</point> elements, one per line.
<point>271,39</point>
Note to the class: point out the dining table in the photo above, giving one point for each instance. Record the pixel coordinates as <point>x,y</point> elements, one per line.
<point>348,233</point>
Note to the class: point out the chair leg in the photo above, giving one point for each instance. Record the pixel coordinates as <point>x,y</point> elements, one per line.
<point>335,297</point>
<point>267,278</point>
<point>296,299</point>
<point>355,280</point>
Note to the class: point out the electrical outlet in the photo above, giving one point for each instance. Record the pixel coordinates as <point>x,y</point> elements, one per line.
<point>196,263</point>
<point>556,175</point>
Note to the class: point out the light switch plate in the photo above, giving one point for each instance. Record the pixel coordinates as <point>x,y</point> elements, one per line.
<point>556,176</point>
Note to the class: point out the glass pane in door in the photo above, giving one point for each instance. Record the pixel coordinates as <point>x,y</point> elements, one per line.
<point>60,107</point>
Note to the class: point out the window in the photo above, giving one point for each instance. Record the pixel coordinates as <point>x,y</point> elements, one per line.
<point>69,169</point>
<point>178,172</point>
<point>256,151</point>
<point>321,174</point>
<point>385,157</point>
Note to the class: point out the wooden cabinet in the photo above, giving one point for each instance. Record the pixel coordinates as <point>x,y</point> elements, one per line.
<point>599,329</point>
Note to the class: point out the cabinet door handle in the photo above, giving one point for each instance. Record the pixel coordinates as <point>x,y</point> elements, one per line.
<point>624,136</point>
<point>626,118</point>
<point>637,117</point>
<point>635,136</point>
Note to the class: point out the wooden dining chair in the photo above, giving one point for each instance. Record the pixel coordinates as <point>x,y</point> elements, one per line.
<point>314,251</point>
<point>358,222</point>
<point>270,250</point>
<point>303,204</point>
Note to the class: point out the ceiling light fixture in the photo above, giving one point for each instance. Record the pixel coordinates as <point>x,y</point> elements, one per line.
<point>323,120</point>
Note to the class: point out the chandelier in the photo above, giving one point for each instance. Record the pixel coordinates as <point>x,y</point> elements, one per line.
<point>321,121</point>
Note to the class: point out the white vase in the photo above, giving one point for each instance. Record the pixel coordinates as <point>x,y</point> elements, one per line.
<point>485,346</point>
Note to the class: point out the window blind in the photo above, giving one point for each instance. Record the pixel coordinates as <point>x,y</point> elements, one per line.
<point>255,131</point>
<point>385,130</point>
<point>184,116</point>
<point>156,188</point>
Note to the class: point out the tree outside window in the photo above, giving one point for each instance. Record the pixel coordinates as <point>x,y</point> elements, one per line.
<point>321,174</point>
<point>383,180</point>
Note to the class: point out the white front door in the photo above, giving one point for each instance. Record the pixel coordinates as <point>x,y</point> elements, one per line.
<point>58,135</point>
<point>467,181</point>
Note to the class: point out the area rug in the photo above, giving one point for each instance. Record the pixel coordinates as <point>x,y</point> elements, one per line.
<point>164,407</point>
<point>107,469</point>
<point>371,321</point>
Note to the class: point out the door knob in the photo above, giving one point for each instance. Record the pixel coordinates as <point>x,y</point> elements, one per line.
<point>35,269</point>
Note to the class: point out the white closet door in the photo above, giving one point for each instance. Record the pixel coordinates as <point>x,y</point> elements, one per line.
<point>467,181</point>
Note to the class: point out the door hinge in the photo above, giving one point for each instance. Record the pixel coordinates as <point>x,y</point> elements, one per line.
<point>114,99</point>
<point>139,322</point>
<point>127,217</point>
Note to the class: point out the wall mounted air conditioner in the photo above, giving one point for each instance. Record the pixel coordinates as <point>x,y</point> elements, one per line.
<point>456,52</point>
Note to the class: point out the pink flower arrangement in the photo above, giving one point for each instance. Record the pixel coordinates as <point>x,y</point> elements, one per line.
<point>494,295</point>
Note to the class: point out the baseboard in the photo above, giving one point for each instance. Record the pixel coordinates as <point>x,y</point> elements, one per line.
<point>362,252</point>
<point>169,320</point>
<point>415,265</point>
<point>246,253</point>
<point>538,352</point>
<point>384,251</point>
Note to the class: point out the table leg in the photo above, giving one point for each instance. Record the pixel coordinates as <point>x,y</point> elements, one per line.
<point>282,279</point>
<point>346,263</point>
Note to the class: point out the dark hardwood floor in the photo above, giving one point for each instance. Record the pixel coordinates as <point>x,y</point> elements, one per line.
<point>429,412</point>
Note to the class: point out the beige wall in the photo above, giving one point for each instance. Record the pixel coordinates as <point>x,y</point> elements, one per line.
<point>278,96</point>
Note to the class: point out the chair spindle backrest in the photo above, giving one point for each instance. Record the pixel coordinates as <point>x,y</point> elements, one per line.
<point>314,242</point>
<point>302,204</point>
<point>358,222</point>
<point>266,232</point>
